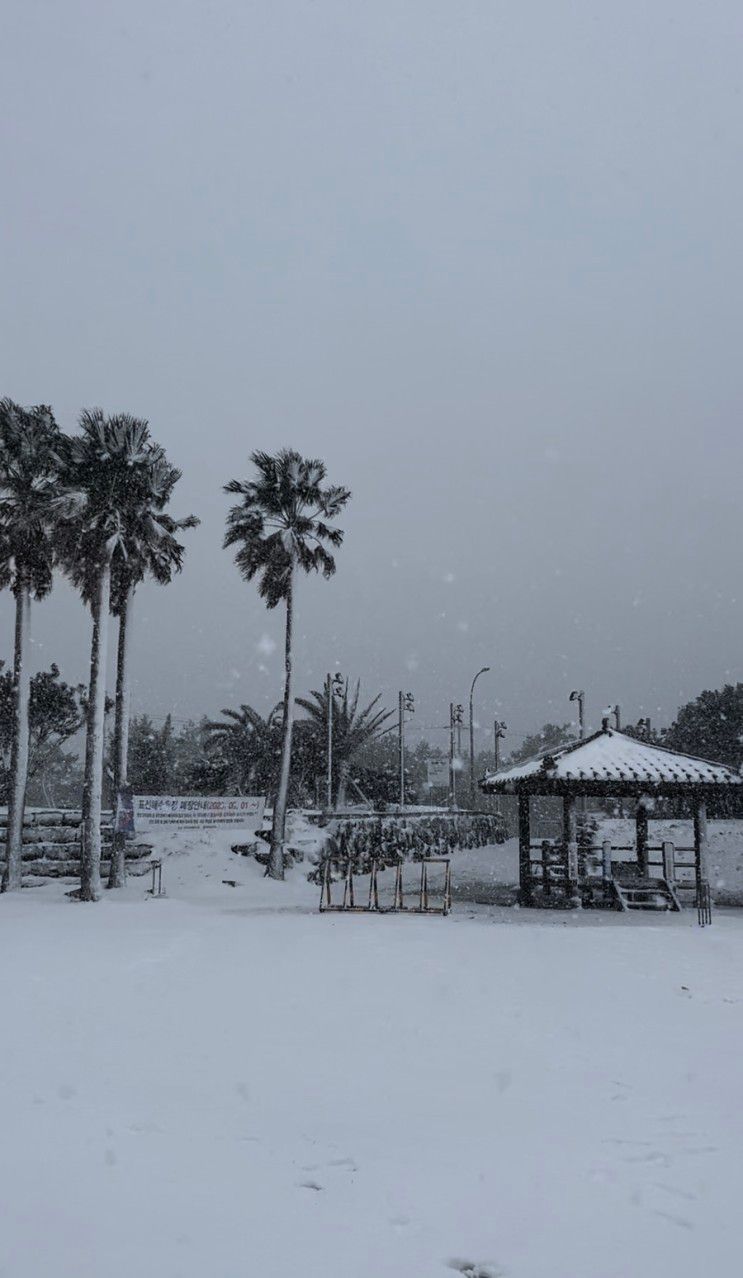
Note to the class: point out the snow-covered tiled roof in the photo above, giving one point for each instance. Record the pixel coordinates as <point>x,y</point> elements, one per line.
<point>612,757</point>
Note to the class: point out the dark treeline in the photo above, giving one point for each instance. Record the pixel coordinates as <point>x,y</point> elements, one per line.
<point>241,754</point>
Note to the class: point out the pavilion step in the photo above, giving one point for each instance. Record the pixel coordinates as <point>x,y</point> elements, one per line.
<point>646,894</point>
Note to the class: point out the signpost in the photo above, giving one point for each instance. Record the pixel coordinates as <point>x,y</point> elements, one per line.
<point>195,812</point>
<point>438,773</point>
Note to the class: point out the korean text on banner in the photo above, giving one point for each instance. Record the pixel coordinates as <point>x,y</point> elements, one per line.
<point>155,811</point>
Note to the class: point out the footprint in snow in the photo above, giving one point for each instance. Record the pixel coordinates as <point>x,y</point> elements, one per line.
<point>681,1221</point>
<point>656,1158</point>
<point>473,1269</point>
<point>675,1192</point>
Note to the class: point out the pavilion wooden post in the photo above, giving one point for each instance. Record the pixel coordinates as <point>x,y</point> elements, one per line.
<point>700,842</point>
<point>570,842</point>
<point>641,826</point>
<point>524,851</point>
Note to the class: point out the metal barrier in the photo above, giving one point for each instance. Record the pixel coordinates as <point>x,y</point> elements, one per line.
<point>157,879</point>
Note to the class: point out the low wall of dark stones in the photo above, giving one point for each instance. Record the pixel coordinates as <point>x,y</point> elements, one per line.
<point>51,845</point>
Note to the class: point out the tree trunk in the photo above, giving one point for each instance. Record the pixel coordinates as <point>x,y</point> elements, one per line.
<point>90,867</point>
<point>278,828</point>
<point>19,749</point>
<point>117,873</point>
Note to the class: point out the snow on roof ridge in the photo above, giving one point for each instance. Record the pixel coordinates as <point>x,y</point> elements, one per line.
<point>674,765</point>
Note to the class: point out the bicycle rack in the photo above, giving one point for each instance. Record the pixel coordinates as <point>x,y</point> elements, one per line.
<point>348,903</point>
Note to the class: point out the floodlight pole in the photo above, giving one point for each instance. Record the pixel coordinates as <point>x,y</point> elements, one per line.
<point>499,731</point>
<point>401,742</point>
<point>452,774</point>
<point>580,696</point>
<point>332,684</point>
<point>329,787</point>
<point>405,701</point>
<point>484,670</point>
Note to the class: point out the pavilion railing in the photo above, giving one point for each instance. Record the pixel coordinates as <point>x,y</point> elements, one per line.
<point>549,871</point>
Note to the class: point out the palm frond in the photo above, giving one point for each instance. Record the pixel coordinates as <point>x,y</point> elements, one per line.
<point>29,479</point>
<point>281,521</point>
<point>117,483</point>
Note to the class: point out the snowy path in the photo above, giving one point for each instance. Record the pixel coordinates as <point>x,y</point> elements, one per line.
<point>196,1087</point>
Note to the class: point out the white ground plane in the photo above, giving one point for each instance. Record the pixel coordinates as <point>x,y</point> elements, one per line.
<point>225,1082</point>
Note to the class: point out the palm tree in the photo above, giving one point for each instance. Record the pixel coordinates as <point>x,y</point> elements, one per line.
<point>29,478</point>
<point>105,474</point>
<point>149,548</point>
<point>280,527</point>
<point>248,747</point>
<point>352,728</point>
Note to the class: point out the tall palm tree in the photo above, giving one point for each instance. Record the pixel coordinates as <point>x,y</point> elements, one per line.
<point>280,528</point>
<point>352,728</point>
<point>29,478</point>
<point>149,548</point>
<point>105,474</point>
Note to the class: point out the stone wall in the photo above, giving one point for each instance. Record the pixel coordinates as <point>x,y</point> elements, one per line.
<point>51,845</point>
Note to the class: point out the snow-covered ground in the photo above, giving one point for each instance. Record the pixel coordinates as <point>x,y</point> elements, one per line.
<point>225,1082</point>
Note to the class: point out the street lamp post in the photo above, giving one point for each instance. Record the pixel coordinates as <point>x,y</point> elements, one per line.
<point>333,685</point>
<point>484,670</point>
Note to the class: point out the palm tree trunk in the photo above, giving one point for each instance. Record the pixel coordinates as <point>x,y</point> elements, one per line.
<point>278,828</point>
<point>117,872</point>
<point>12,875</point>
<point>340,797</point>
<point>90,866</point>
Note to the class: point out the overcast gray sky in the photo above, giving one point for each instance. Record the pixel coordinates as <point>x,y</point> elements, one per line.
<point>481,256</point>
